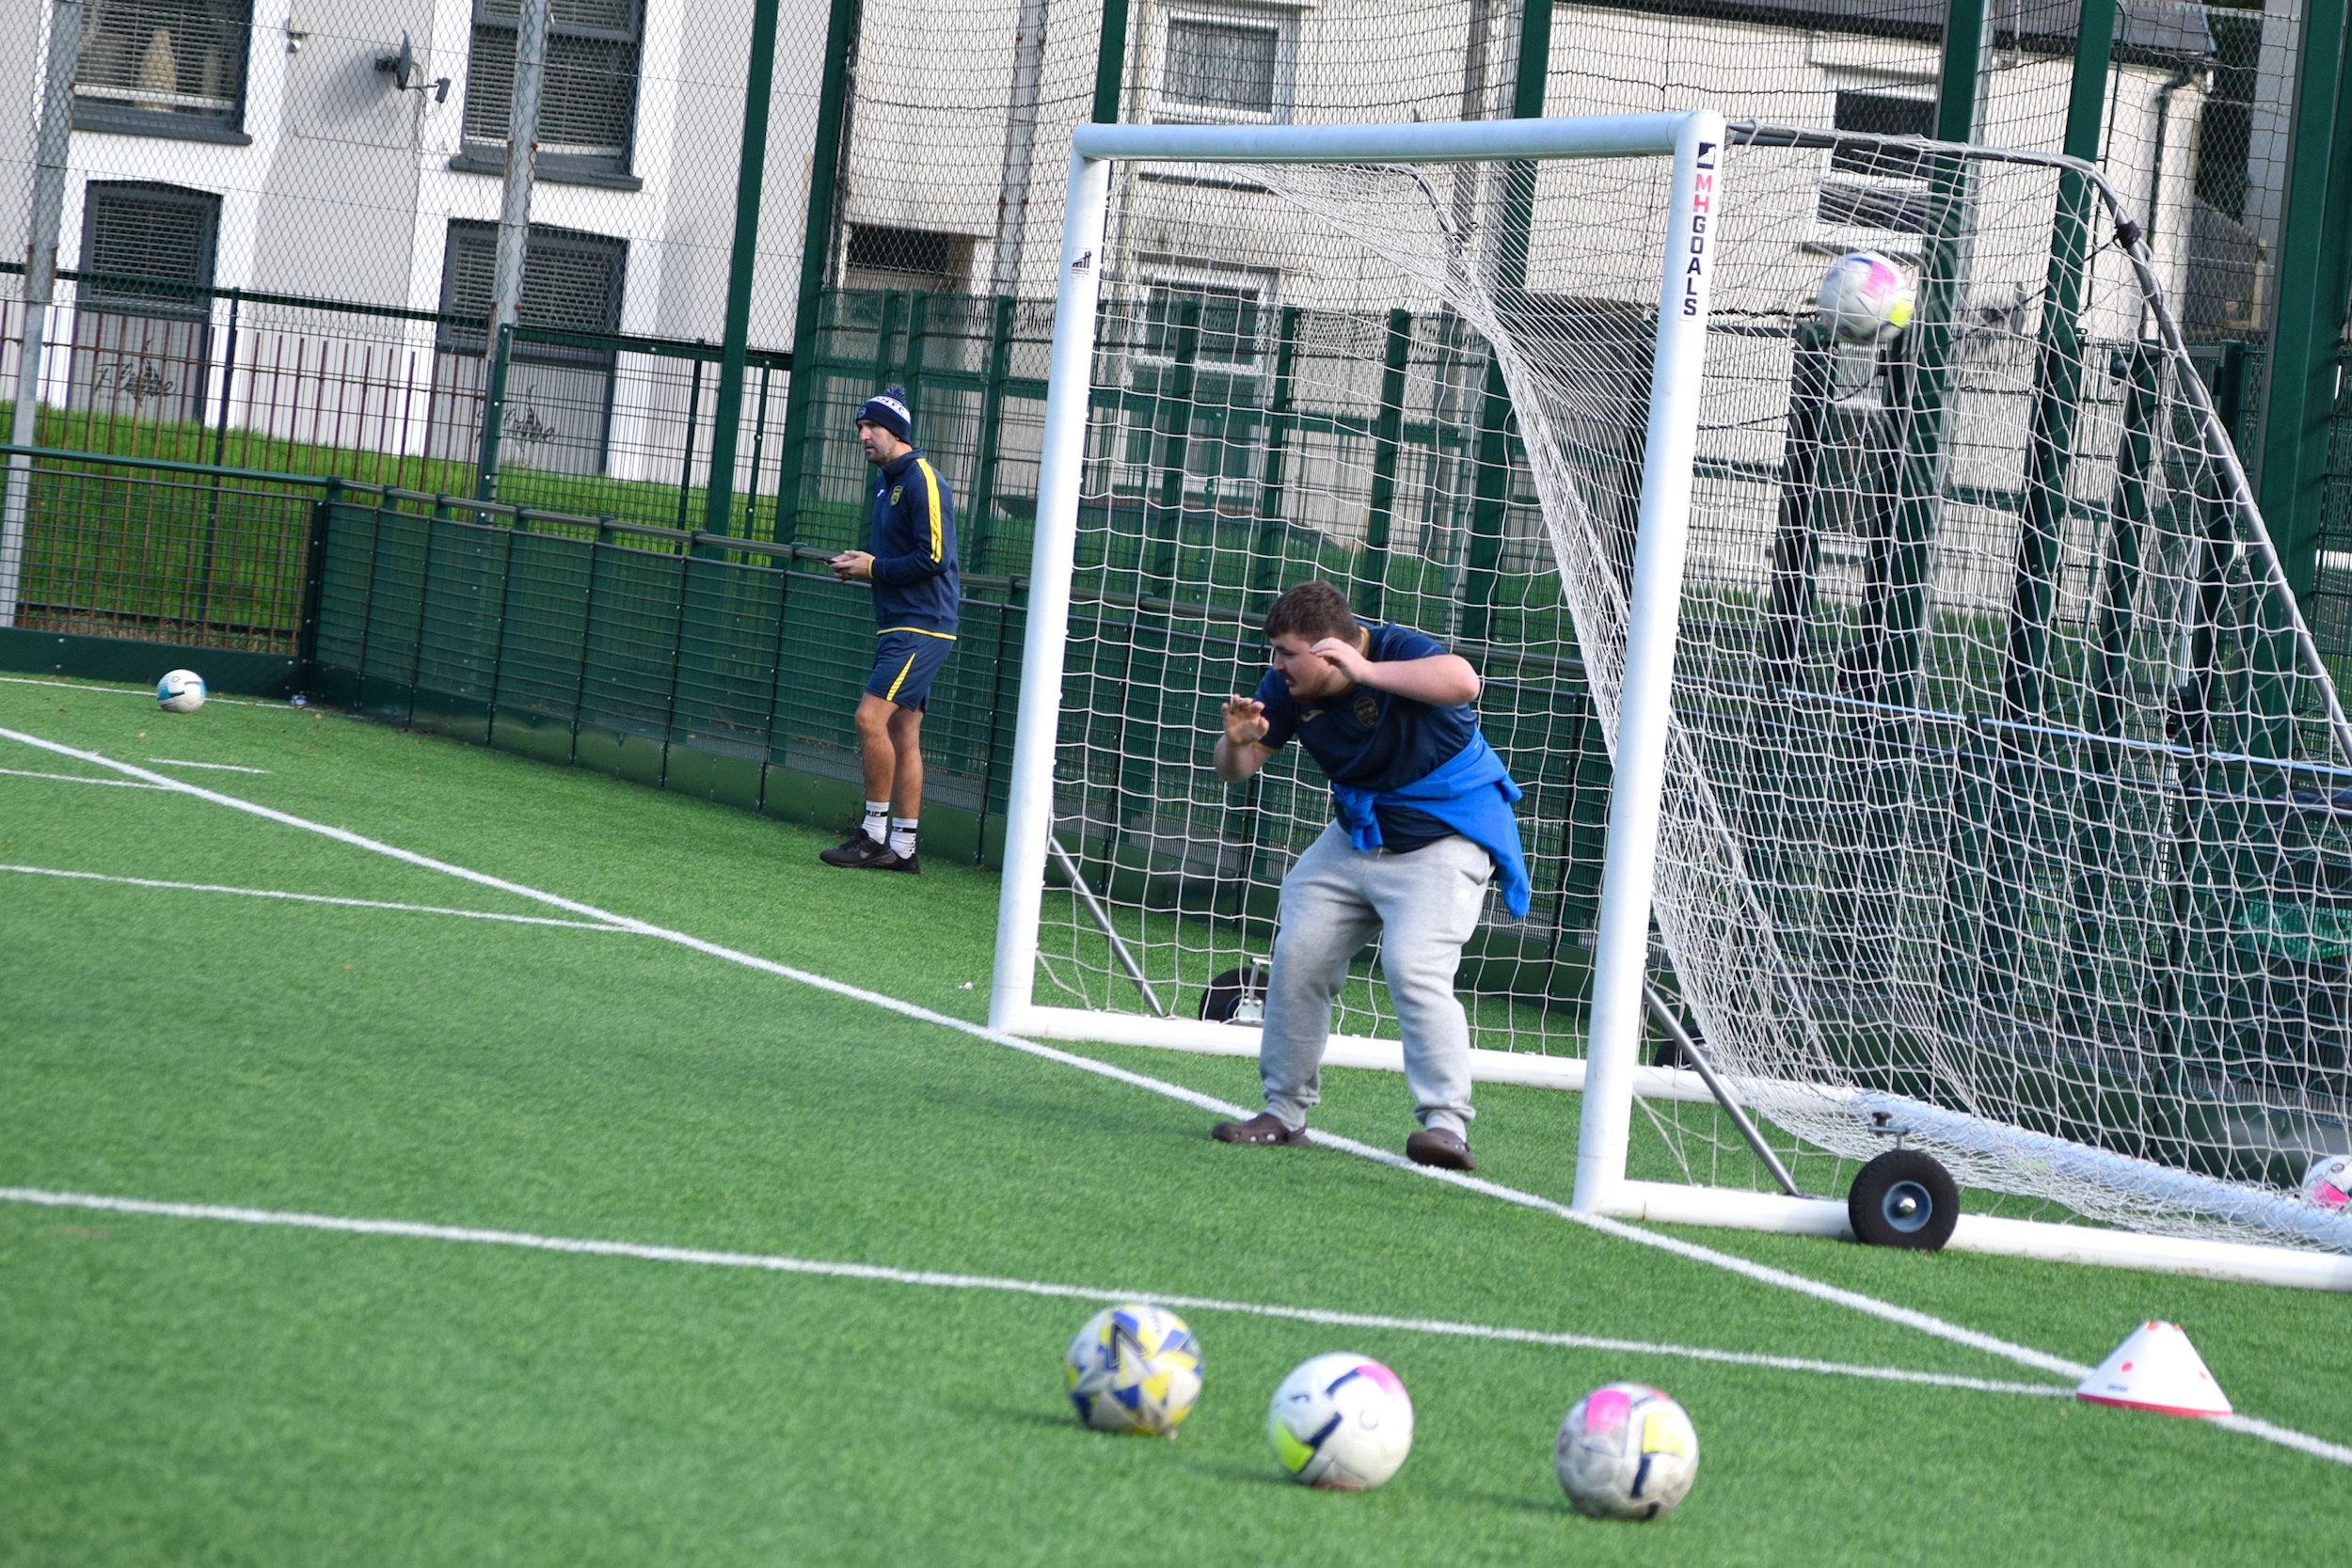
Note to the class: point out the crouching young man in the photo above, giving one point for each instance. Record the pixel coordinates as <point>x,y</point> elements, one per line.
<point>1421,824</point>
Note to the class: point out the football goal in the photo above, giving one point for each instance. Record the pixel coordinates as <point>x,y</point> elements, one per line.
<point>1923,751</point>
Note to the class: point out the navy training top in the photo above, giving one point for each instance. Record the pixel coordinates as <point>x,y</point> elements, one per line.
<point>914,546</point>
<point>1369,740</point>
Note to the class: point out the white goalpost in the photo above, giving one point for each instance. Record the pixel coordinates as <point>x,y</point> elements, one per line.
<point>1954,724</point>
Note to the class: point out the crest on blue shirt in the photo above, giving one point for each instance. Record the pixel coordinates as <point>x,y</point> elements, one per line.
<point>1367,709</point>
<point>894,493</point>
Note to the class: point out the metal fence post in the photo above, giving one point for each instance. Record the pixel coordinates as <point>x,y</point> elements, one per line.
<point>494,416</point>
<point>220,457</point>
<point>800,391</point>
<point>1494,412</point>
<point>1175,452</point>
<point>686,464</point>
<point>1373,592</point>
<point>992,411</point>
<point>1273,534</point>
<point>918,336</point>
<point>314,580</point>
<point>719,513</point>
<point>760,432</point>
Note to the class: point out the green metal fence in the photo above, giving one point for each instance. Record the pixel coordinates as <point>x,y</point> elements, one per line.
<point>672,657</point>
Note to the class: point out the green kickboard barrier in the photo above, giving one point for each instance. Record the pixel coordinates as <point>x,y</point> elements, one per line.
<point>230,671</point>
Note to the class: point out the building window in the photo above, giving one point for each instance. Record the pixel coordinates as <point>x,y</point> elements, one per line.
<point>1222,70</point>
<point>1222,409</point>
<point>588,107</point>
<point>164,68</point>
<point>877,257</point>
<point>559,396</point>
<point>1876,191</point>
<point>142,323</point>
<point>1225,327</point>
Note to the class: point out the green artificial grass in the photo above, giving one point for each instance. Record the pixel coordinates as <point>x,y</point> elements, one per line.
<point>191,1391</point>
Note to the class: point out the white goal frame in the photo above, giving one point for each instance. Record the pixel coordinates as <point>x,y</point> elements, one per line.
<point>1611,1075</point>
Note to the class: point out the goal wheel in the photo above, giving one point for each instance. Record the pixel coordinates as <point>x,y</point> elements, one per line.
<point>1237,996</point>
<point>1903,1198</point>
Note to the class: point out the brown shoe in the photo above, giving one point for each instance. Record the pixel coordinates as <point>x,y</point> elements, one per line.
<point>1263,1128</point>
<point>1435,1145</point>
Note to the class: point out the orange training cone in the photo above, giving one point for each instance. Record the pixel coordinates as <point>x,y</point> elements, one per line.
<point>2155,1368</point>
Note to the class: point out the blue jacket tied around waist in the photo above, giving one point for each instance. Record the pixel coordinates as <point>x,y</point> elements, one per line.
<point>1471,794</point>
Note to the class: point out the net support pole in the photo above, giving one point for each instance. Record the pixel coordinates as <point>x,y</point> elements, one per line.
<point>1645,706</point>
<point>514,248</point>
<point>41,281</point>
<point>1061,462</point>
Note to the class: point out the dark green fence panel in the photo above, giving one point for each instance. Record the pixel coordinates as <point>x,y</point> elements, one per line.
<point>537,703</point>
<point>635,607</point>
<point>729,659</point>
<point>458,636</point>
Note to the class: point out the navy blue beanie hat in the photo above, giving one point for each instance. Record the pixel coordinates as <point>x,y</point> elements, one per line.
<point>888,409</point>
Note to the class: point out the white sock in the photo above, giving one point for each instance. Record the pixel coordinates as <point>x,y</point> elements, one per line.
<point>877,820</point>
<point>902,835</point>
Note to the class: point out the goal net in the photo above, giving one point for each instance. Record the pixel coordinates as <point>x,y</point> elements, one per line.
<point>2002,800</point>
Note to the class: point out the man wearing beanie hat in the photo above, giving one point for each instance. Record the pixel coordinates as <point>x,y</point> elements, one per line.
<point>913,568</point>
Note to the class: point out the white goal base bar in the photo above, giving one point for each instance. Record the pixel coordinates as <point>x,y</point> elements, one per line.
<point>1669,1203</point>
<point>1666,1203</point>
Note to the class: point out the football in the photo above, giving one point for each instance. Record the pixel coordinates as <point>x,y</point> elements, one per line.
<point>1625,1451</point>
<point>2328,1182</point>
<point>180,691</point>
<point>1863,296</point>
<point>1340,1422</point>
<point>1133,1368</point>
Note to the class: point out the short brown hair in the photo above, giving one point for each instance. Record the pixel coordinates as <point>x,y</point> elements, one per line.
<point>1311,610</point>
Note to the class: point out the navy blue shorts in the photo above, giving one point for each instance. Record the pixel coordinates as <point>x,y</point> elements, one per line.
<point>904,662</point>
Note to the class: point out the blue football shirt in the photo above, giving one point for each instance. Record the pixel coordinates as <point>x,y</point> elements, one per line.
<point>1377,740</point>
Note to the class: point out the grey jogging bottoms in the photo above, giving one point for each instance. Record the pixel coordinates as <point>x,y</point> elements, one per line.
<point>1423,906</point>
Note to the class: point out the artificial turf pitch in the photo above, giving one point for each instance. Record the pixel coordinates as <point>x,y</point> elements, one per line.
<point>191,1391</point>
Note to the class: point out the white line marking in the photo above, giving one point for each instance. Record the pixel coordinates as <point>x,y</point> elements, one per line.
<point>2024,1356</point>
<point>311,897</point>
<point>148,692</point>
<point>75,778</point>
<point>874,1272</point>
<point>212,766</point>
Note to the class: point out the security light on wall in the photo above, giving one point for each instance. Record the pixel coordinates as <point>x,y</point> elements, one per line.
<point>298,32</point>
<point>402,70</point>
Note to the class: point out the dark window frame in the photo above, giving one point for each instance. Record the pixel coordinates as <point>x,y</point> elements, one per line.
<point>459,332</point>
<point>1270,31</point>
<point>1877,188</point>
<point>106,115</point>
<point>178,298</point>
<point>486,154</point>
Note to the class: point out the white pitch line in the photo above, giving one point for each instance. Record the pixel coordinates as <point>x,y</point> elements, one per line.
<point>211,766</point>
<point>877,1273</point>
<point>2024,1356</point>
<point>76,778</point>
<point>311,897</point>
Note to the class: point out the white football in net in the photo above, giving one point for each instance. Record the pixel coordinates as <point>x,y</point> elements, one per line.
<point>180,691</point>
<point>1863,295</point>
<point>1625,1451</point>
<point>2328,1182</point>
<point>1340,1422</point>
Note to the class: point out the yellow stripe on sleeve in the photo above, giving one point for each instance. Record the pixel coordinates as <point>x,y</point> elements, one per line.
<point>931,487</point>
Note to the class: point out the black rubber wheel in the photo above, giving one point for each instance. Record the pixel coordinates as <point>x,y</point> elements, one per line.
<point>1903,1198</point>
<point>1228,991</point>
